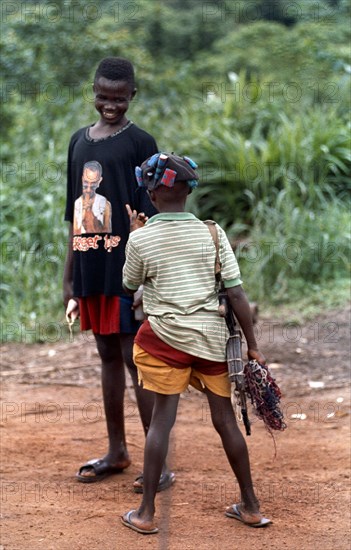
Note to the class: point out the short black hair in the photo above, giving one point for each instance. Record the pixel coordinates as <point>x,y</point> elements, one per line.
<point>116,68</point>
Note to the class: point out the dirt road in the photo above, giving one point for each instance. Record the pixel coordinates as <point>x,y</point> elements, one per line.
<point>52,421</point>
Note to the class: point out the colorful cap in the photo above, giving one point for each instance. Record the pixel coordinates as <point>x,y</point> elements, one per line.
<point>166,169</point>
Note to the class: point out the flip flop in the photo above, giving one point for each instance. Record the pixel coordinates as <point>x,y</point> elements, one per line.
<point>101,469</point>
<point>126,520</point>
<point>166,480</point>
<point>234,512</point>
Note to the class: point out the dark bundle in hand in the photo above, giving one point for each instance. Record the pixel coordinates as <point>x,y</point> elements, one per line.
<point>265,395</point>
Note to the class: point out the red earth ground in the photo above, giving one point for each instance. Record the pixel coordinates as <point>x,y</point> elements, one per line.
<point>52,421</point>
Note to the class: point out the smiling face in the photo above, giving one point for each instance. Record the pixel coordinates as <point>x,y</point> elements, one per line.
<point>112,98</point>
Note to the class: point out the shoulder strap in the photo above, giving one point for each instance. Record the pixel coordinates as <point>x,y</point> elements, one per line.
<point>214,234</point>
<point>222,296</point>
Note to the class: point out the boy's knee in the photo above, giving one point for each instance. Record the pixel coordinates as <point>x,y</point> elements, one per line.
<point>109,356</point>
<point>217,423</point>
<point>222,419</point>
<point>109,351</point>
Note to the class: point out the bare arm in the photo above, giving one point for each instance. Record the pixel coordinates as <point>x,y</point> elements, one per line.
<point>68,269</point>
<point>240,305</point>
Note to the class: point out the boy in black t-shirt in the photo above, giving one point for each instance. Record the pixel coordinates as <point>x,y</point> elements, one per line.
<point>103,156</point>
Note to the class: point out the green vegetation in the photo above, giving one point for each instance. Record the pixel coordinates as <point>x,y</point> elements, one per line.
<point>257,92</point>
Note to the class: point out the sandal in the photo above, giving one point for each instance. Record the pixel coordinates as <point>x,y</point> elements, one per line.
<point>252,520</point>
<point>100,469</point>
<point>127,521</point>
<point>166,480</point>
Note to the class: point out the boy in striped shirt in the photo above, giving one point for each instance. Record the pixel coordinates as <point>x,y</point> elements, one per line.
<point>183,340</point>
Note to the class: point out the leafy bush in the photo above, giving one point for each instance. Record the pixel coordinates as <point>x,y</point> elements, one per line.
<point>292,248</point>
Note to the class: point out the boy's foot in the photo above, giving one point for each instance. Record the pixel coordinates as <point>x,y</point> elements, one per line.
<point>238,512</point>
<point>166,480</point>
<point>131,520</point>
<point>99,468</point>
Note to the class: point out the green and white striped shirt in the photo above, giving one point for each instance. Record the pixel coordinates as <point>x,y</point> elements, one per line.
<point>173,256</point>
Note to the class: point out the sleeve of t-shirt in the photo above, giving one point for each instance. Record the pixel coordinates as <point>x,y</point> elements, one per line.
<point>230,269</point>
<point>133,270</point>
<point>69,190</point>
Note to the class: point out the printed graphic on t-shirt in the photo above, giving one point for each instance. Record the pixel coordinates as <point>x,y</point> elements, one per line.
<point>92,211</point>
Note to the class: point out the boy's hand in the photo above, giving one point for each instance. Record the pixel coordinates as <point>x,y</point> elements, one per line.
<point>72,311</point>
<point>138,304</point>
<point>138,297</point>
<point>136,220</point>
<point>256,354</point>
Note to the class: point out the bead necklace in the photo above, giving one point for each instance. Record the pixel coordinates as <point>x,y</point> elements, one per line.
<point>125,127</point>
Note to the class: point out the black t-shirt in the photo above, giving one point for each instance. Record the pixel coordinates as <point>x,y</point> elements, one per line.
<point>98,214</point>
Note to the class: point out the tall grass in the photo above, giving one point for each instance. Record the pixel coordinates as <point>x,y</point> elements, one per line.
<point>275,178</point>
<point>292,249</point>
<point>281,191</point>
<point>33,234</point>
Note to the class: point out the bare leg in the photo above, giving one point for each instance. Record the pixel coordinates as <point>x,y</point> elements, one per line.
<point>145,398</point>
<point>114,351</point>
<point>156,448</point>
<point>235,447</point>
<point>113,386</point>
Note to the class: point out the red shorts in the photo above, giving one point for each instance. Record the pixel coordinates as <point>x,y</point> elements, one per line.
<point>108,314</point>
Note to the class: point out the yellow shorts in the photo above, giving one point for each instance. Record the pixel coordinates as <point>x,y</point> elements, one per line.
<point>157,376</point>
